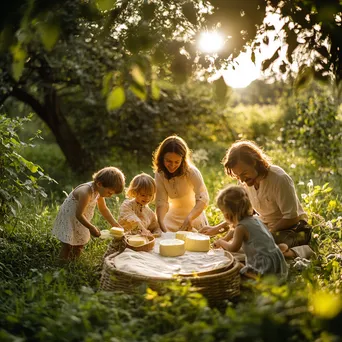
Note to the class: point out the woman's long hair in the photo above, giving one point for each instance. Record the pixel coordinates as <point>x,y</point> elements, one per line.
<point>172,144</point>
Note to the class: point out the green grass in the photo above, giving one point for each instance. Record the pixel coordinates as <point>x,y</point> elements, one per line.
<point>42,300</point>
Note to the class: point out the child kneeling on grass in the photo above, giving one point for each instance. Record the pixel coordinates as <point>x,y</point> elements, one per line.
<point>135,215</point>
<point>263,256</point>
<point>72,225</point>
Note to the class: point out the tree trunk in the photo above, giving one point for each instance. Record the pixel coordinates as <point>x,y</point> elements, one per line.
<point>78,159</point>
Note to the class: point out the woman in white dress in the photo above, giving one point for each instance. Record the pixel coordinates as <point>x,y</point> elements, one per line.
<point>181,193</point>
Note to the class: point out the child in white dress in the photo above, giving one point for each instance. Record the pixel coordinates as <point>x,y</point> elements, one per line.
<point>135,216</point>
<point>263,256</point>
<point>72,225</point>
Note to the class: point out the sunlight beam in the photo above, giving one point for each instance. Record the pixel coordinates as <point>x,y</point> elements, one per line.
<point>210,42</point>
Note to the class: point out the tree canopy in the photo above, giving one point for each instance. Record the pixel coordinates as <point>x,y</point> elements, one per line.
<point>66,57</point>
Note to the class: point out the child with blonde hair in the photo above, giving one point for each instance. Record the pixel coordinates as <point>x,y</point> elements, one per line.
<point>135,215</point>
<point>72,225</point>
<point>263,256</point>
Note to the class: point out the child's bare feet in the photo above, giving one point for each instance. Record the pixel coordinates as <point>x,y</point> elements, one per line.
<point>283,247</point>
<point>287,252</point>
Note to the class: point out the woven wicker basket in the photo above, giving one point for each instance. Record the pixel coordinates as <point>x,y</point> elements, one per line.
<point>215,287</point>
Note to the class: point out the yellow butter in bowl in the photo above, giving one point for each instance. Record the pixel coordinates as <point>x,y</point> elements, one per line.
<point>117,231</point>
<point>136,240</point>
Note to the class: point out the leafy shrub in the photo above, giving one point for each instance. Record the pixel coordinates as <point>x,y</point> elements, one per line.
<point>44,308</point>
<point>19,176</point>
<point>254,122</point>
<point>52,159</point>
<point>313,124</point>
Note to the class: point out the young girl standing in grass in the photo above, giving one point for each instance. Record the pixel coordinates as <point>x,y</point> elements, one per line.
<point>135,215</point>
<point>72,225</point>
<point>263,256</point>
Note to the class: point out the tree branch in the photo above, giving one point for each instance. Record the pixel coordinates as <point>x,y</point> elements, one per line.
<point>27,98</point>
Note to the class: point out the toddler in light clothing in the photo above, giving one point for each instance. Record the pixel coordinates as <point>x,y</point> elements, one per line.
<point>72,225</point>
<point>135,216</point>
<point>263,256</point>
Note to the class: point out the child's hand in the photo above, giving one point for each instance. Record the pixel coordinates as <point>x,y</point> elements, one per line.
<point>217,243</point>
<point>95,232</point>
<point>208,230</point>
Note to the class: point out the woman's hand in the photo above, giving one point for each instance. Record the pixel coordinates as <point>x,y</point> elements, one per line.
<point>163,228</point>
<point>146,232</point>
<point>187,225</point>
<point>94,232</point>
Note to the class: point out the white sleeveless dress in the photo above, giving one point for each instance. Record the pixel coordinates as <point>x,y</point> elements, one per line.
<point>67,228</point>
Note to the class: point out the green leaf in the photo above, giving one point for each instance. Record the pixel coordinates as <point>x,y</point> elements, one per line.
<point>18,202</point>
<point>332,205</point>
<point>291,40</point>
<point>14,142</point>
<point>116,98</point>
<point>17,69</point>
<point>138,75</point>
<point>106,83</point>
<point>4,194</point>
<point>49,33</point>
<point>323,51</point>
<point>253,57</point>
<point>18,53</point>
<point>155,90</point>
<point>105,5</point>
<point>138,91</point>
<point>33,179</point>
<point>12,319</point>
<point>304,77</point>
<point>19,56</point>
<point>266,63</point>
<point>32,167</point>
<point>14,212</point>
<point>165,84</point>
